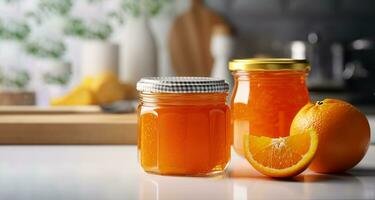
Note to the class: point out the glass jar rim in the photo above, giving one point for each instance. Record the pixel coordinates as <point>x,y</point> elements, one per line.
<point>269,64</point>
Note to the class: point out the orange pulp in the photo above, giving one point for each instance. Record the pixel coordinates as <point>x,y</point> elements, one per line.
<point>184,134</point>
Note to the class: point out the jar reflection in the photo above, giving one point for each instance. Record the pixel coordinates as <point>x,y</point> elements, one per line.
<point>154,187</point>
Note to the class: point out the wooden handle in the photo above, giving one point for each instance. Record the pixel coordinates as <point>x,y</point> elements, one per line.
<point>189,40</point>
<point>196,3</point>
<point>221,29</point>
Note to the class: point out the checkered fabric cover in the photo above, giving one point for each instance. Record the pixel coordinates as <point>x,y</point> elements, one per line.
<point>182,85</point>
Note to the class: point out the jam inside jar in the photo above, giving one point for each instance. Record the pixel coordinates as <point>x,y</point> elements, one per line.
<point>267,95</point>
<point>183,130</point>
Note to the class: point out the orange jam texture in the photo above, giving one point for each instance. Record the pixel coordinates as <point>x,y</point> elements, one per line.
<point>188,138</point>
<point>264,103</point>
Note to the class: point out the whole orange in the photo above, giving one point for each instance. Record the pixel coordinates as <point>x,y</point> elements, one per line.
<point>343,132</point>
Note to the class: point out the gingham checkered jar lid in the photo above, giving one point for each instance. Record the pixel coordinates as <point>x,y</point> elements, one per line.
<point>182,85</point>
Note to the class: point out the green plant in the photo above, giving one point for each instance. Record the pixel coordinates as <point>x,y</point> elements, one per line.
<point>97,30</point>
<point>61,7</point>
<point>16,79</point>
<point>14,30</point>
<point>10,1</point>
<point>53,79</point>
<point>46,48</point>
<point>94,1</point>
<point>46,8</point>
<point>138,7</point>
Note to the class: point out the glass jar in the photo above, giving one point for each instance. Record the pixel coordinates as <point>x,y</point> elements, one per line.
<point>267,95</point>
<point>183,126</point>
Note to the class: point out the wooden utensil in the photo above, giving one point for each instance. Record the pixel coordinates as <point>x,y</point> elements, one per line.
<point>189,41</point>
<point>17,98</point>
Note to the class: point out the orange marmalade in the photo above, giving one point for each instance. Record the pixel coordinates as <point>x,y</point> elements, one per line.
<point>266,96</point>
<point>183,126</point>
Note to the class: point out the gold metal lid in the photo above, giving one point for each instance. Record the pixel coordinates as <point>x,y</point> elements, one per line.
<point>258,64</point>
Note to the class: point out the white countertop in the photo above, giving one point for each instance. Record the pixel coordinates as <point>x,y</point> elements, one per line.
<point>112,172</point>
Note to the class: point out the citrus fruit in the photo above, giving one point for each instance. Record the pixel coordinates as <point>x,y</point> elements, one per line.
<point>101,89</point>
<point>78,96</point>
<point>106,88</point>
<point>344,134</point>
<point>281,157</point>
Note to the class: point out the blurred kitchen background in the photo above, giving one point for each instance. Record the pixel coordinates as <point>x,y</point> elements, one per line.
<point>66,52</point>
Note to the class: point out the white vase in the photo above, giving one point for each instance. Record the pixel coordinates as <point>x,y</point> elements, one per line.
<point>97,57</point>
<point>73,54</point>
<point>138,55</point>
<point>161,26</point>
<point>222,45</point>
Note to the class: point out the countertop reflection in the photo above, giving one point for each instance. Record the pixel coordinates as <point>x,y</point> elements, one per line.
<point>112,172</point>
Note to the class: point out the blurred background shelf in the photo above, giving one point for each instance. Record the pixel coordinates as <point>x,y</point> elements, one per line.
<point>24,110</point>
<point>65,125</point>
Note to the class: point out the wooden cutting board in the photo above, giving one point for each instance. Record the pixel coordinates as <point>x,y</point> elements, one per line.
<point>189,40</point>
<point>65,125</point>
<point>26,110</point>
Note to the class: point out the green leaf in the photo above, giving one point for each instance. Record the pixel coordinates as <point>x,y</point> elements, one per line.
<point>53,79</point>
<point>17,79</point>
<point>151,7</point>
<point>14,30</point>
<point>61,7</point>
<point>96,30</point>
<point>45,49</point>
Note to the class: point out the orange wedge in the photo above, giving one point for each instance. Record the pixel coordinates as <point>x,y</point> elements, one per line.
<point>281,157</point>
